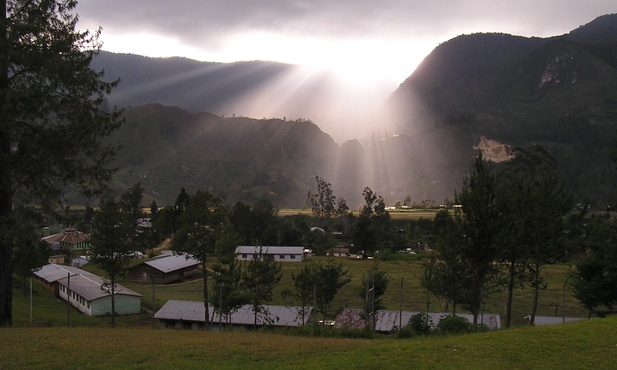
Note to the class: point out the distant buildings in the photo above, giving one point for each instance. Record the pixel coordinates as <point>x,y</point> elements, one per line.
<point>278,253</point>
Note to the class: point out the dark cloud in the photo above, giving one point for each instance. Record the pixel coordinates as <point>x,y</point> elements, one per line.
<point>211,19</point>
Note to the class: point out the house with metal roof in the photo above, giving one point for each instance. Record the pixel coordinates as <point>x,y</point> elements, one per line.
<point>91,296</point>
<point>176,314</point>
<point>70,239</point>
<point>86,291</point>
<point>274,253</point>
<point>165,269</point>
<point>49,275</point>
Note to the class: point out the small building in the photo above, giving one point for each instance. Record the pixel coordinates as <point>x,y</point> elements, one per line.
<point>339,251</point>
<point>49,275</point>
<point>273,253</point>
<point>176,314</point>
<point>89,295</point>
<point>57,259</point>
<point>165,269</point>
<point>70,239</point>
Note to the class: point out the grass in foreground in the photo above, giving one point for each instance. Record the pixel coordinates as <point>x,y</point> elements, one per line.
<point>581,345</point>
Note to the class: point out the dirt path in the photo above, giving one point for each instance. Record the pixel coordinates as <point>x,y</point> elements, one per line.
<point>162,246</point>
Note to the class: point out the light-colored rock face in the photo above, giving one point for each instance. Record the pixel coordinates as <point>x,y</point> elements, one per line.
<point>494,151</point>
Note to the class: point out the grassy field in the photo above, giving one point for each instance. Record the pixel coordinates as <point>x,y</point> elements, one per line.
<point>50,311</point>
<point>581,345</point>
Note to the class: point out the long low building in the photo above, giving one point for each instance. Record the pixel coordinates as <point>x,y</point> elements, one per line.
<point>49,275</point>
<point>387,321</point>
<point>177,314</point>
<point>89,295</point>
<point>275,253</point>
<point>165,269</point>
<point>87,292</point>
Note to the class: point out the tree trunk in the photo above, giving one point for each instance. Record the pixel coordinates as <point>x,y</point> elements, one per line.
<point>205,291</point>
<point>510,293</point>
<point>536,288</point>
<point>113,301</point>
<point>6,199</point>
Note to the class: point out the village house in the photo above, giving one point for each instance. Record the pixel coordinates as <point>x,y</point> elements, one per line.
<point>176,314</point>
<point>49,275</point>
<point>70,239</point>
<point>273,253</point>
<point>86,291</point>
<point>165,269</point>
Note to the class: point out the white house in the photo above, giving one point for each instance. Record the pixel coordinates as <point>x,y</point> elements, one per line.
<point>278,253</point>
<point>88,294</point>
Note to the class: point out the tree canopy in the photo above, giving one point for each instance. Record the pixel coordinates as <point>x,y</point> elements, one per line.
<point>51,116</point>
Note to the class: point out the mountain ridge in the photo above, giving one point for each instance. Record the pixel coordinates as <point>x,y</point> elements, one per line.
<point>558,92</point>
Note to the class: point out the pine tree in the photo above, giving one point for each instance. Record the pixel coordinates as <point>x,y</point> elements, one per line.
<point>51,121</point>
<point>200,226</point>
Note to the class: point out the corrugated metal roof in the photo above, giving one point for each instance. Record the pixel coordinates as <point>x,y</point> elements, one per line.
<point>53,272</point>
<point>552,320</point>
<point>290,316</point>
<point>388,320</point>
<point>68,236</point>
<point>269,250</point>
<point>181,310</point>
<point>90,287</point>
<point>172,263</point>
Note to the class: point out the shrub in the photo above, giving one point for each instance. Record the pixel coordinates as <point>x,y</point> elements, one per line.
<point>454,325</point>
<point>421,323</point>
<point>406,332</point>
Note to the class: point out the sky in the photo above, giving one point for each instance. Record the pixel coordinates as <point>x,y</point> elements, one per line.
<point>370,46</point>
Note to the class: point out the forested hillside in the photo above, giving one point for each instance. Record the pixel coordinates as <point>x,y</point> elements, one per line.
<point>557,92</point>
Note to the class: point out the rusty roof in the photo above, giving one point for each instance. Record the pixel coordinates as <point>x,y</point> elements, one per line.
<point>68,236</point>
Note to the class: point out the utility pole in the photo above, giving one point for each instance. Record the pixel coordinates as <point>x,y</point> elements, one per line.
<point>68,299</point>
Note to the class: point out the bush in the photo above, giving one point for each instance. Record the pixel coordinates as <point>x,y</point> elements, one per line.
<point>454,325</point>
<point>406,332</point>
<point>421,324</point>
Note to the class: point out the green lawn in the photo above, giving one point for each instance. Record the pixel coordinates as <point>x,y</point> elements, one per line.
<point>588,344</point>
<point>50,311</point>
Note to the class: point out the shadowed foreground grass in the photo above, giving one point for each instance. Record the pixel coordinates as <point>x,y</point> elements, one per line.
<point>579,345</point>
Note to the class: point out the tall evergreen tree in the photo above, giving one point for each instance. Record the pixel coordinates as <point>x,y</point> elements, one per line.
<point>329,279</point>
<point>259,279</point>
<point>373,286</point>
<point>113,241</point>
<point>595,277</point>
<point>446,274</point>
<point>533,203</point>
<point>200,226</point>
<point>51,120</point>
<point>304,284</point>
<point>478,226</point>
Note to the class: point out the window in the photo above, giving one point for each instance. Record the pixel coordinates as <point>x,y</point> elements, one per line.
<point>244,256</point>
<point>292,257</point>
<point>282,257</point>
